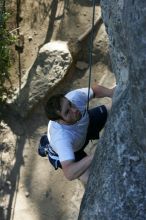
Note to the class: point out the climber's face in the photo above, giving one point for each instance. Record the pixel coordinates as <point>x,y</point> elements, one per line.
<point>69,113</point>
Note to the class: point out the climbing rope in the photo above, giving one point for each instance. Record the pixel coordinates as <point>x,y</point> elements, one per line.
<point>90,53</point>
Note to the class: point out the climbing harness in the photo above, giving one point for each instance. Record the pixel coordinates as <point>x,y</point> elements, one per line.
<point>90,53</point>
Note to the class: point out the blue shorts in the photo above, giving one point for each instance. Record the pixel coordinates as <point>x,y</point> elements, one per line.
<point>97,120</point>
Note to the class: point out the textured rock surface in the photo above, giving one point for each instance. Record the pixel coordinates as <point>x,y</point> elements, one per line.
<point>50,67</point>
<point>117,185</point>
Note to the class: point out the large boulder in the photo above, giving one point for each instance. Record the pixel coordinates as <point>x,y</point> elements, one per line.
<point>51,66</point>
<point>117,184</point>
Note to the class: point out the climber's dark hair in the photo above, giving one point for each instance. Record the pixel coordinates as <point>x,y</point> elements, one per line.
<point>52,106</point>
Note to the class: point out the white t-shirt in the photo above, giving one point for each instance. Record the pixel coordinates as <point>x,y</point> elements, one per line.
<point>67,139</point>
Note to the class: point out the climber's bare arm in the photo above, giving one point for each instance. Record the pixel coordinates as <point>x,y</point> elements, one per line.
<point>73,170</point>
<point>101,91</point>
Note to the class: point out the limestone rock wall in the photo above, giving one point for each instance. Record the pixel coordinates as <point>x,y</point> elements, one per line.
<point>117,184</point>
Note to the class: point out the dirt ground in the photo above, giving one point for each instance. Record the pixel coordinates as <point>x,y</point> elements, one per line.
<point>31,189</point>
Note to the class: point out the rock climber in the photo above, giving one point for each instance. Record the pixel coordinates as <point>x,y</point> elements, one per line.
<point>71,127</point>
